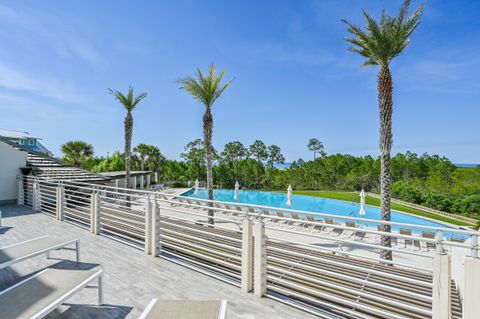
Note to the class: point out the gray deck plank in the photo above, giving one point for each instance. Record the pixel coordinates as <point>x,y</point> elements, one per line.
<point>131,279</point>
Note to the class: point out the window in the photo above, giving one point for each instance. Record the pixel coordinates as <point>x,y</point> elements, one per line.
<point>31,142</point>
<point>21,142</point>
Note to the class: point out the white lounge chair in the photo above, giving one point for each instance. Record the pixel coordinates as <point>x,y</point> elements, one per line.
<point>41,245</point>
<point>185,309</point>
<point>424,245</point>
<point>402,242</point>
<point>38,295</point>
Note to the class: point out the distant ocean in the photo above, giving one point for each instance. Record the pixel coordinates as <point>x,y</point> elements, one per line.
<point>466,165</point>
<point>287,165</point>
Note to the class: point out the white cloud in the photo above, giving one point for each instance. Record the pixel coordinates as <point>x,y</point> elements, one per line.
<point>13,79</point>
<point>34,29</point>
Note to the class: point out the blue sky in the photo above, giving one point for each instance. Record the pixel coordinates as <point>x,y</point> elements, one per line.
<point>294,78</point>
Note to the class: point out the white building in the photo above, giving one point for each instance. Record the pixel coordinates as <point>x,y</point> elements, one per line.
<point>11,160</point>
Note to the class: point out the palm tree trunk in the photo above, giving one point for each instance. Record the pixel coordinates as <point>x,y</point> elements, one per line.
<point>207,136</point>
<point>128,146</point>
<point>385,90</point>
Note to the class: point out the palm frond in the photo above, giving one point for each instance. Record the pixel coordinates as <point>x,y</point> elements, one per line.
<point>205,88</point>
<point>128,101</point>
<point>383,40</point>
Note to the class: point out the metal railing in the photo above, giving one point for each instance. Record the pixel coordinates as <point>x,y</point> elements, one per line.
<point>310,263</point>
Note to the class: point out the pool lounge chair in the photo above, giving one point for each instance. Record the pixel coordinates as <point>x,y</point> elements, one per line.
<point>299,221</point>
<point>425,245</point>
<point>282,221</point>
<point>347,233</point>
<point>34,247</point>
<point>38,295</point>
<point>313,227</point>
<point>402,242</point>
<point>329,228</point>
<point>185,309</point>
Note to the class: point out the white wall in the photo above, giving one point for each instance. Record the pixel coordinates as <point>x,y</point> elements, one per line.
<point>11,160</point>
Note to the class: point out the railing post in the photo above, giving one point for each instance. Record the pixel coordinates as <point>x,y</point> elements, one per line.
<point>35,194</point>
<point>142,181</point>
<point>148,225</point>
<point>95,213</point>
<point>60,201</point>
<point>148,181</point>
<point>156,231</point>
<point>247,256</point>
<point>471,291</point>
<point>441,305</point>
<point>260,259</point>
<point>20,194</point>
<point>439,244</point>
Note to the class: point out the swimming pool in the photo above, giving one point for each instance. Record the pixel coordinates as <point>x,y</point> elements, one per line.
<point>313,204</point>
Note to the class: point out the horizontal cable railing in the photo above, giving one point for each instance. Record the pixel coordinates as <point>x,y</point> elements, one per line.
<point>324,262</point>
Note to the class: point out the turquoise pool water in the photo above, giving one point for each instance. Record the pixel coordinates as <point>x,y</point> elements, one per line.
<point>313,204</point>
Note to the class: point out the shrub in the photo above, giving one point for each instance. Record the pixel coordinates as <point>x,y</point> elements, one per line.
<point>438,201</point>
<point>407,192</point>
<point>469,205</point>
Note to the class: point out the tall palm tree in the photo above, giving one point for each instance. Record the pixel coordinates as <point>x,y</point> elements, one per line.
<point>129,102</point>
<point>380,43</point>
<point>75,152</point>
<point>206,88</point>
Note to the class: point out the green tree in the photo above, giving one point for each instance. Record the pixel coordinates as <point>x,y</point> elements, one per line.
<point>382,41</point>
<point>76,152</point>
<point>194,155</point>
<point>275,156</point>
<point>232,153</point>
<point>316,146</point>
<point>206,88</point>
<point>142,152</point>
<point>259,151</point>
<point>129,102</point>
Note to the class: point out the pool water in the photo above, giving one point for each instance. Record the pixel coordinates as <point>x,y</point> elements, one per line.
<point>313,204</point>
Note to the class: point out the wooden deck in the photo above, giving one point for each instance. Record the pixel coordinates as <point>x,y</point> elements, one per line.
<point>131,277</point>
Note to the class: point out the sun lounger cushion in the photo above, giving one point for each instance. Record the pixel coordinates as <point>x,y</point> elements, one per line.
<point>30,248</point>
<point>185,309</point>
<point>38,295</point>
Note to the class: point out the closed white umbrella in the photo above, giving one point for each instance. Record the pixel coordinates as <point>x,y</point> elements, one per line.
<point>289,196</point>
<point>362,211</point>
<point>197,186</point>
<point>237,186</point>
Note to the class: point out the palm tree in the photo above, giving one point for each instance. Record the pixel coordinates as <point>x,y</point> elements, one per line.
<point>382,41</point>
<point>129,102</point>
<point>142,150</point>
<point>206,88</point>
<point>75,152</point>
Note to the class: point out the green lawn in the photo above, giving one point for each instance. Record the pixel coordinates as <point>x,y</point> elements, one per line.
<point>353,197</point>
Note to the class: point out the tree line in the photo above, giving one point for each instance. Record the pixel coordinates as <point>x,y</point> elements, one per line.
<point>429,180</point>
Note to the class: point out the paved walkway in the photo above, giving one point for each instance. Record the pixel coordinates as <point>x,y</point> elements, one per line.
<point>131,277</point>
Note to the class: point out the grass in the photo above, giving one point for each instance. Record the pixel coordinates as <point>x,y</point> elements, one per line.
<point>353,197</point>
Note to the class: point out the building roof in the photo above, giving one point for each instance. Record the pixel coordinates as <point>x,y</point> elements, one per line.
<point>120,174</point>
<point>50,168</point>
<point>16,134</point>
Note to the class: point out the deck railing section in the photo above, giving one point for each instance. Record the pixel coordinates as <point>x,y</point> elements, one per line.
<point>313,264</point>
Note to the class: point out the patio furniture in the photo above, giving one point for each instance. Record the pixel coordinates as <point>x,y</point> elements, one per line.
<point>428,235</point>
<point>402,242</point>
<point>314,226</point>
<point>347,233</point>
<point>38,295</point>
<point>185,309</point>
<point>329,228</point>
<point>299,221</point>
<point>41,245</point>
